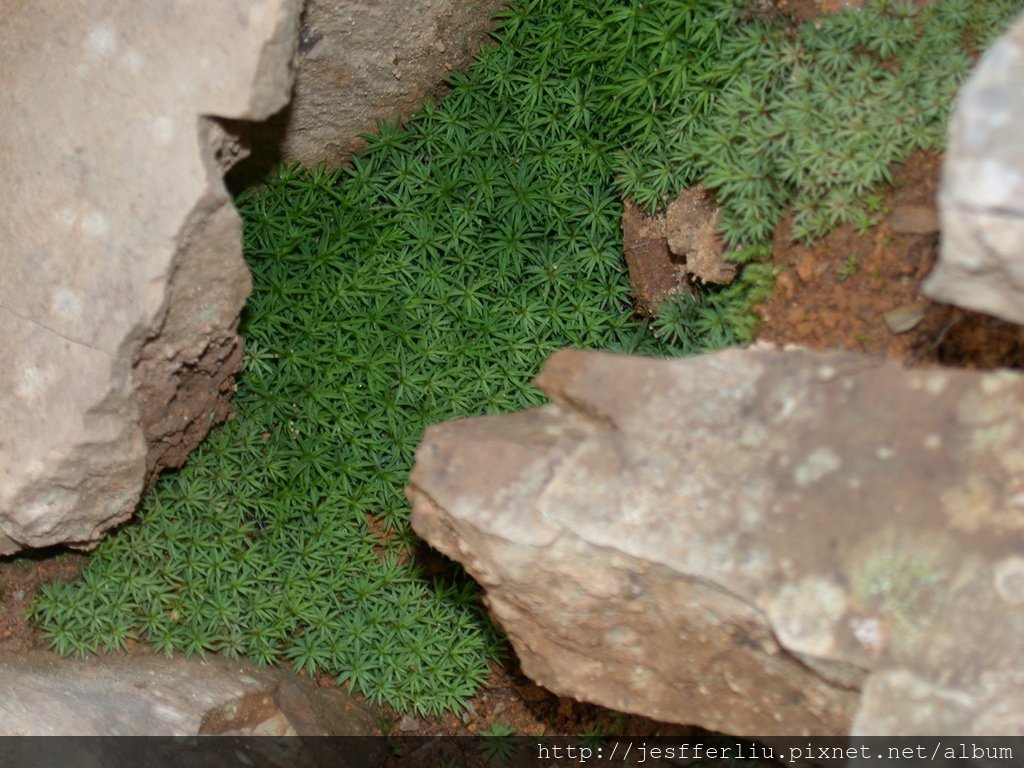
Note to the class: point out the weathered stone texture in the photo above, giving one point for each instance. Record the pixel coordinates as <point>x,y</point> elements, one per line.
<point>668,252</point>
<point>121,261</point>
<point>359,62</point>
<point>748,540</point>
<point>142,695</point>
<point>981,265</point>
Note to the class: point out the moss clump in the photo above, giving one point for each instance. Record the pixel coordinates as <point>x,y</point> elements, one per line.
<point>430,280</point>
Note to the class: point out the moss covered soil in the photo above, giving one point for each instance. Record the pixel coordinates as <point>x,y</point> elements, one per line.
<point>431,279</point>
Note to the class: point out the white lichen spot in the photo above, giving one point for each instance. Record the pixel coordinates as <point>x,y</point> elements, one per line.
<point>991,186</point>
<point>935,384</point>
<point>870,633</point>
<point>788,407</point>
<point>826,372</point>
<point>1009,579</point>
<point>997,118</point>
<point>854,482</point>
<point>101,40</point>
<point>163,130</point>
<point>66,303</point>
<point>969,504</point>
<point>884,453</point>
<point>257,13</point>
<point>30,384</point>
<point>932,442</point>
<point>623,637</point>
<point>34,468</point>
<point>819,463</point>
<point>95,224</point>
<point>1016,500</point>
<point>992,384</point>
<point>132,61</point>
<point>28,514</point>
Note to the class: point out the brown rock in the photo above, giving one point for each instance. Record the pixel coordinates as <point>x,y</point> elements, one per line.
<point>806,267</point>
<point>786,285</point>
<point>532,693</point>
<point>146,695</point>
<point>754,541</point>
<point>362,61</point>
<point>914,220</point>
<point>691,227</point>
<point>653,273</point>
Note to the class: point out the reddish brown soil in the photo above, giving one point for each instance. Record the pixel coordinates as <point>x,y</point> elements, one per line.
<point>836,293</point>
<point>20,579</point>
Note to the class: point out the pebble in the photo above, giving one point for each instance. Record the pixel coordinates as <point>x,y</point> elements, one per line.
<point>805,267</point>
<point>785,285</point>
<point>532,693</point>
<point>906,317</point>
<point>408,723</point>
<point>914,220</point>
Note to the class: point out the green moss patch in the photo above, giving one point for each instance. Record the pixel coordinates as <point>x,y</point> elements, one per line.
<point>431,279</point>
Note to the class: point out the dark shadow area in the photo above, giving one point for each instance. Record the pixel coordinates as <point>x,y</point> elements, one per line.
<point>264,140</point>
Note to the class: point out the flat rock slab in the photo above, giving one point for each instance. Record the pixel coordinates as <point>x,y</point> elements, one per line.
<point>753,541</point>
<point>143,695</point>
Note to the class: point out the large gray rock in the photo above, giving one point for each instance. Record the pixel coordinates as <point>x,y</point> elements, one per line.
<point>754,541</point>
<point>981,265</point>
<point>142,695</point>
<point>361,61</point>
<point>120,250</point>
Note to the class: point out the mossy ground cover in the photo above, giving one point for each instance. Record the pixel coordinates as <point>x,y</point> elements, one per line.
<point>431,279</point>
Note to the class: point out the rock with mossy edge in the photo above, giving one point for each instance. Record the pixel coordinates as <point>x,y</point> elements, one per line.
<point>759,542</point>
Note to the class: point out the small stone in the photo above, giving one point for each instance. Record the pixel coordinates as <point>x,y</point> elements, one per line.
<point>408,724</point>
<point>786,285</point>
<point>805,267</point>
<point>691,228</point>
<point>532,693</point>
<point>906,317</point>
<point>914,220</point>
<point>652,273</point>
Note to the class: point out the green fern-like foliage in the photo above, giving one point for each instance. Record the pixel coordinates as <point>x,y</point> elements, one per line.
<point>431,279</point>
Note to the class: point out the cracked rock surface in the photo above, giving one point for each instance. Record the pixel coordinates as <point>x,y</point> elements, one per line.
<point>120,251</point>
<point>753,541</point>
